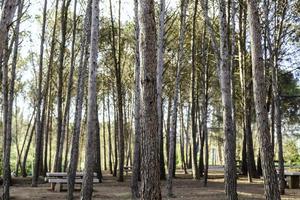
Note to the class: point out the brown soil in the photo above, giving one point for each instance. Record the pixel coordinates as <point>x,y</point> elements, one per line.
<point>184,188</point>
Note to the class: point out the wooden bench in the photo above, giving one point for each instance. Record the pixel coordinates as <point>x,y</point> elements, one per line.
<point>127,169</point>
<point>58,179</point>
<point>293,179</point>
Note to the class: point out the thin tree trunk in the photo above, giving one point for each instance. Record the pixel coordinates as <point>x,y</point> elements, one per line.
<point>115,136</point>
<point>104,132</point>
<point>38,129</point>
<point>25,138</point>
<point>137,109</point>
<point>109,137</point>
<point>269,172</point>
<point>159,80</point>
<point>84,55</point>
<point>92,119</point>
<point>120,106</point>
<point>97,152</point>
<point>195,170</point>
<point>175,100</point>
<point>225,82</point>
<point>8,93</point>
<point>168,128</point>
<point>13,73</point>
<point>61,117</point>
<point>23,168</point>
<point>119,98</point>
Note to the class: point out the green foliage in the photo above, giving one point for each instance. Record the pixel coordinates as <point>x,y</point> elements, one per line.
<point>291,152</point>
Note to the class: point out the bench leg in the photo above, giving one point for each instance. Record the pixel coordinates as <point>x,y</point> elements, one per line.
<point>58,187</point>
<point>293,182</point>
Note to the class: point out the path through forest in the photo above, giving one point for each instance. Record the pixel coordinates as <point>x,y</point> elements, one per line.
<point>184,188</point>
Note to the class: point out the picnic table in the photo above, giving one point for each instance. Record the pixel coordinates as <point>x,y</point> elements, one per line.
<point>58,179</point>
<point>293,179</point>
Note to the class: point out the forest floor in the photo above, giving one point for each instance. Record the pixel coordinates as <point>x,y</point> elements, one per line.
<point>184,188</point>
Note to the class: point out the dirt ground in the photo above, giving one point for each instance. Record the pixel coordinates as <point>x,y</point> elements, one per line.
<point>184,188</point>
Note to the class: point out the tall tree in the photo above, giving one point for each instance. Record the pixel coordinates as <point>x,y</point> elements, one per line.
<point>259,88</point>
<point>172,166</point>
<point>150,188</point>
<point>160,68</point>
<point>38,129</point>
<point>137,110</point>
<point>7,15</point>
<point>196,174</point>
<point>225,83</point>
<point>60,117</point>
<point>109,136</point>
<point>117,67</point>
<point>87,187</point>
<point>84,54</point>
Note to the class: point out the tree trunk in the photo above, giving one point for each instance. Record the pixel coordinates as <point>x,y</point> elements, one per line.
<point>225,83</point>
<point>61,117</point>
<point>168,128</point>
<point>269,172</point>
<point>137,109</point>
<point>175,100</point>
<point>97,152</point>
<point>38,129</point>
<point>150,187</point>
<point>8,12</point>
<point>104,137</point>
<point>120,129</point>
<point>195,170</point>
<point>48,83</point>
<point>84,55</point>
<point>109,137</point>
<point>160,67</point>
<point>23,168</point>
<point>87,186</point>
<point>25,138</point>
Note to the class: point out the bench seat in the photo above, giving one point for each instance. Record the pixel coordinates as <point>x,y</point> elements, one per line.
<point>64,180</point>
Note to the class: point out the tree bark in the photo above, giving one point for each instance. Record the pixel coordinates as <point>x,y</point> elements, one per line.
<point>269,172</point>
<point>225,83</point>
<point>172,164</point>
<point>137,109</point>
<point>84,55</point>
<point>60,115</point>
<point>109,137</point>
<point>150,187</point>
<point>87,186</point>
<point>38,129</point>
<point>8,13</point>
<point>160,68</point>
<point>196,174</point>
<point>104,132</point>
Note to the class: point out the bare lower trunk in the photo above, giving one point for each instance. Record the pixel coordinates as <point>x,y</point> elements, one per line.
<point>109,137</point>
<point>84,54</point>
<point>92,119</point>
<point>172,164</point>
<point>269,172</point>
<point>150,187</point>
<point>225,82</point>
<point>196,174</point>
<point>159,79</point>
<point>8,12</point>
<point>137,110</point>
